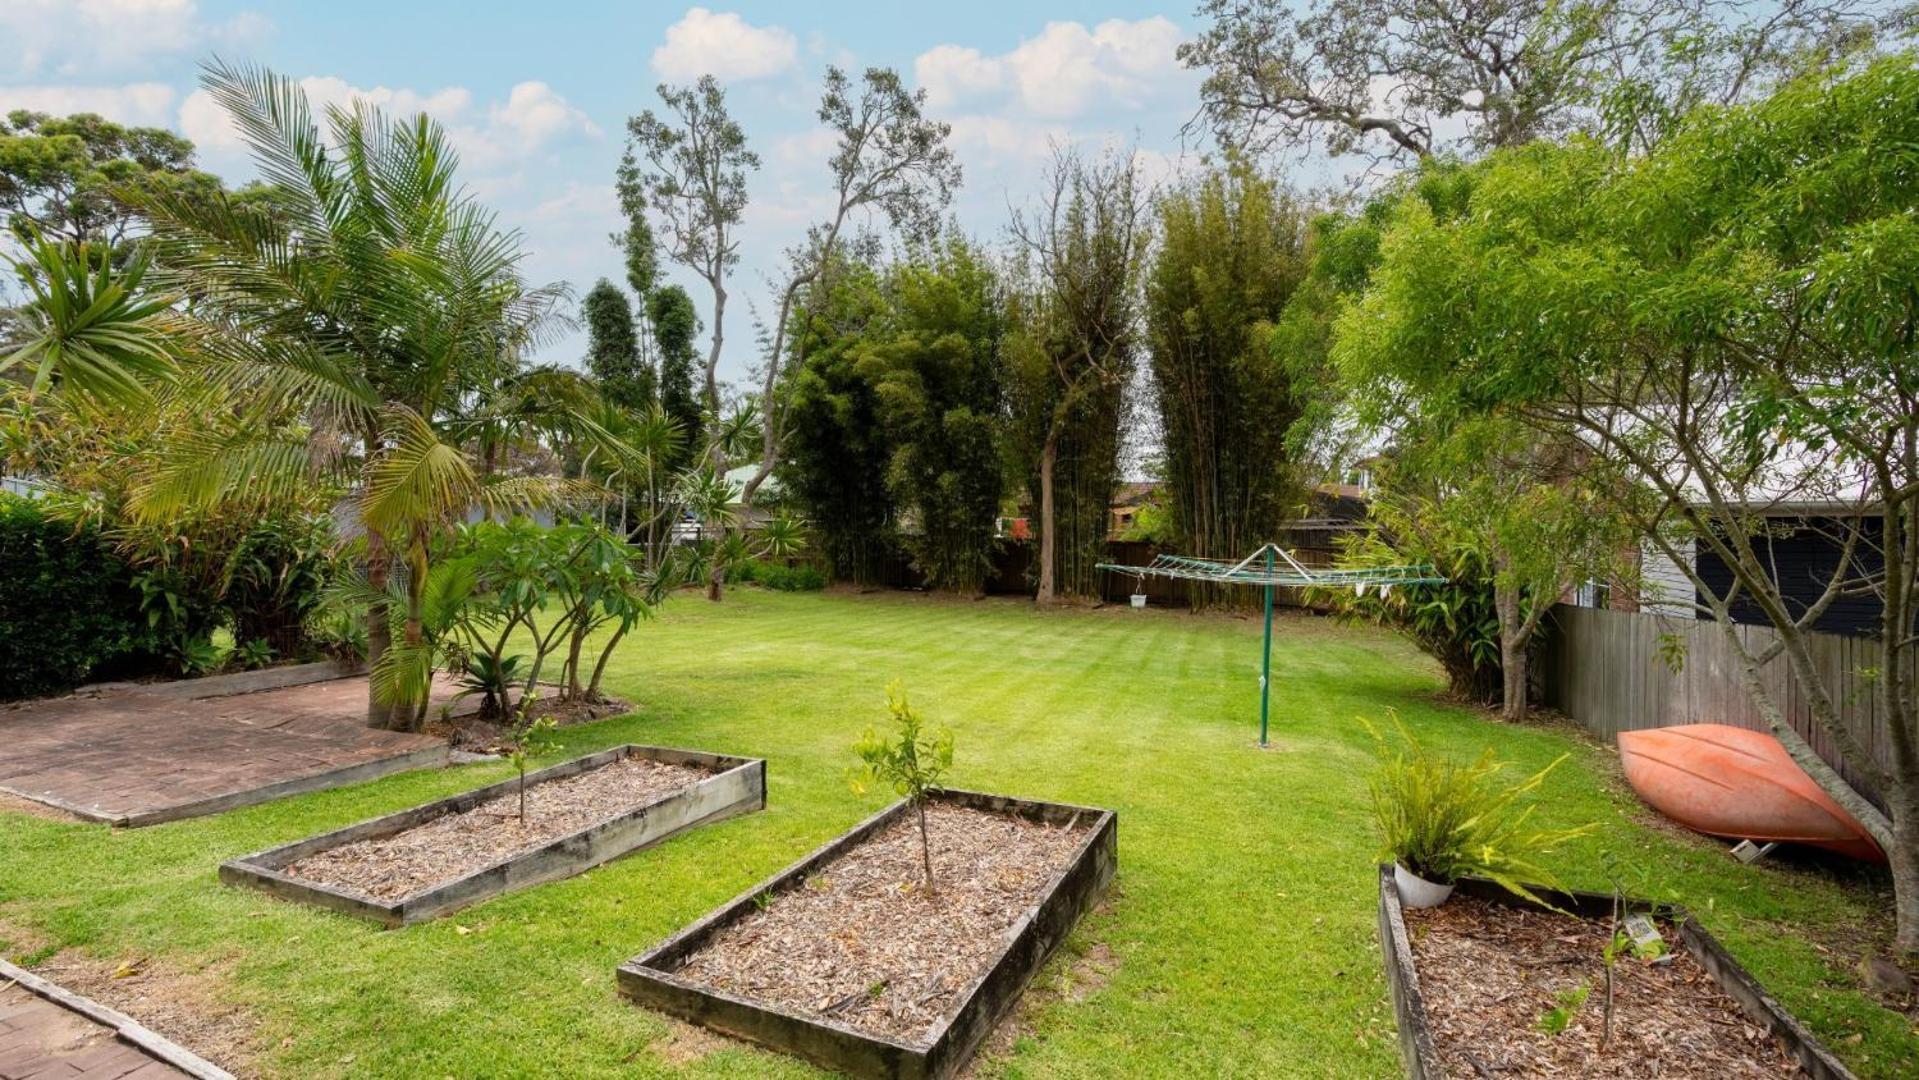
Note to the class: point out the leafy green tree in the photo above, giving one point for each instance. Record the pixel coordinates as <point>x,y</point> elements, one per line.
<point>1072,347</point>
<point>1231,253</point>
<point>613,347</point>
<point>371,305</point>
<point>676,330</point>
<point>939,387</point>
<point>912,761</point>
<point>1388,78</point>
<point>686,167</point>
<point>1726,325</point>
<point>888,157</point>
<point>838,444</point>
<point>68,178</point>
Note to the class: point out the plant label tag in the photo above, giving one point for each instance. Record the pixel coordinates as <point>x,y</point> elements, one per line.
<point>1644,935</point>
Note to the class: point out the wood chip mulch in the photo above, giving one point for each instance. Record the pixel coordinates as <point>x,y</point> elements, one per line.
<point>1489,973</point>
<point>452,846</point>
<point>863,944</point>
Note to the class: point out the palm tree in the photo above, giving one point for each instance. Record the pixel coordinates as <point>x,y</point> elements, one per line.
<point>377,301</point>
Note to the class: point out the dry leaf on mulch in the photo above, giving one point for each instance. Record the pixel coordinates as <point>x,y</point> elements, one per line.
<point>1490,972</point>
<point>454,845</point>
<point>862,942</point>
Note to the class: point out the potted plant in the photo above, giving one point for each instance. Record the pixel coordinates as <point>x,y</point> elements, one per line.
<point>1441,819</point>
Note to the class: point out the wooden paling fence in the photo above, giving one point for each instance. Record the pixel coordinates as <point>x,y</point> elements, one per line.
<point>1607,670</point>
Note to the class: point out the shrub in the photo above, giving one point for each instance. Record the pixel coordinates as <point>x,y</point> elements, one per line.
<point>68,605</point>
<point>781,577</point>
<point>1443,819</point>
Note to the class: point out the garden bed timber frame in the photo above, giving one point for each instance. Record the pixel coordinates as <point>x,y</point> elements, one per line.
<point>650,978</point>
<point>1420,1055</point>
<point>737,786</point>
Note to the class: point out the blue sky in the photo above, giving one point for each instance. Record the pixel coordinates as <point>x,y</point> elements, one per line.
<point>537,95</point>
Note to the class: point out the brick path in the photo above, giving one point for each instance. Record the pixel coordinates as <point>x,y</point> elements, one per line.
<point>44,1041</point>
<point>137,758</point>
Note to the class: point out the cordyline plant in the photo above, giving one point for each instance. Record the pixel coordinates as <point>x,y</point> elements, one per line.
<point>912,760</point>
<point>1444,819</point>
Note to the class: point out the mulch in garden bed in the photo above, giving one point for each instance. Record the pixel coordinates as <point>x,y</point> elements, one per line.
<point>454,845</point>
<point>482,735</point>
<point>1490,973</point>
<point>863,943</point>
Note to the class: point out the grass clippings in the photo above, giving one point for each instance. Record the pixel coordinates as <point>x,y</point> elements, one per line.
<point>452,846</point>
<point>863,942</point>
<point>1491,974</point>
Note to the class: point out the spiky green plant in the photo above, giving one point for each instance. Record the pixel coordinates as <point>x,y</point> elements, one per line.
<point>89,328</point>
<point>1444,819</point>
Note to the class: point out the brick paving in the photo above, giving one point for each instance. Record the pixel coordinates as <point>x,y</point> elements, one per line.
<point>40,1040</point>
<point>132,757</point>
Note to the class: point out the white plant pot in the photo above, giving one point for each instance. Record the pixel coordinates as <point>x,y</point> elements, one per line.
<point>1416,891</point>
<point>1139,599</point>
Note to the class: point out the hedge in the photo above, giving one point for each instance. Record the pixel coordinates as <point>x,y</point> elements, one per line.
<point>68,608</point>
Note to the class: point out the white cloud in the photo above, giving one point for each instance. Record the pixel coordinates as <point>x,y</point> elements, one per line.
<point>725,46</point>
<point>73,37</point>
<point>533,116</point>
<point>951,74</point>
<point>536,113</point>
<point>148,104</point>
<point>1065,71</point>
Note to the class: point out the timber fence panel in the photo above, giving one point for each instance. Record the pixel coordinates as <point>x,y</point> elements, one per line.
<point>1609,671</point>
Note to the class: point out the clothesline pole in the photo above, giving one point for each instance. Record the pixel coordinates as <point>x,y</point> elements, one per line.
<point>1266,655</point>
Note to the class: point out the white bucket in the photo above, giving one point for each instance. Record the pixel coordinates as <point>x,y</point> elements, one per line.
<point>1416,891</point>
<point>1139,599</point>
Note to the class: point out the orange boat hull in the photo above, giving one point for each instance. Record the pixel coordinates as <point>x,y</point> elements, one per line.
<point>1728,781</point>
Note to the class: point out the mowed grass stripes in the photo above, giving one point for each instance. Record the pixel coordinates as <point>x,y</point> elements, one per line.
<point>1239,943</point>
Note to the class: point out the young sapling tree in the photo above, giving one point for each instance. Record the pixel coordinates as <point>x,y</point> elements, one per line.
<point>912,760</point>
<point>531,738</point>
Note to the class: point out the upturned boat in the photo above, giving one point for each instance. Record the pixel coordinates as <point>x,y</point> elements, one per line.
<point>1729,781</point>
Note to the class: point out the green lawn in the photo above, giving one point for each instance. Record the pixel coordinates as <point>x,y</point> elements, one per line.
<point>1239,940</point>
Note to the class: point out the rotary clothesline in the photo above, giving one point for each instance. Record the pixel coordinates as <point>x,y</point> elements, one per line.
<point>1262,568</point>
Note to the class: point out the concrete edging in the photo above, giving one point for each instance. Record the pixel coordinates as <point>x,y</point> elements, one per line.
<point>1421,1059</point>
<point>650,978</point>
<point>739,788</point>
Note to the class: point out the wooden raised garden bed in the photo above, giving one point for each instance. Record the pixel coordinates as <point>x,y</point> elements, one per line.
<point>425,862</point>
<point>1475,982</point>
<point>844,959</point>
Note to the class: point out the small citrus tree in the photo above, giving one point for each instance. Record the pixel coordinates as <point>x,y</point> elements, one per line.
<point>531,738</point>
<point>912,760</point>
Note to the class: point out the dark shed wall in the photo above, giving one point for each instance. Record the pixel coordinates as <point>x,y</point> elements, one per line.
<point>1805,553</point>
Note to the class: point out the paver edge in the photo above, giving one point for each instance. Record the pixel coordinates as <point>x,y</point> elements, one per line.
<point>124,1027</point>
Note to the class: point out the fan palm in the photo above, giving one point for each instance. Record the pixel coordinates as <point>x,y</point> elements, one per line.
<point>376,300</point>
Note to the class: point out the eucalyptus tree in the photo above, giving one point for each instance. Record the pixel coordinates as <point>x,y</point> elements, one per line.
<point>1074,340</point>
<point>1399,80</point>
<point>888,156</point>
<point>687,166</point>
<point>375,301</point>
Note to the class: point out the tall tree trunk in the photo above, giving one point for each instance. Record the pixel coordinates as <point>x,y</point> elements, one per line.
<point>379,633</point>
<point>599,666</point>
<point>1904,856</point>
<point>1048,457</point>
<point>1512,651</point>
<point>410,715</point>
